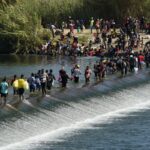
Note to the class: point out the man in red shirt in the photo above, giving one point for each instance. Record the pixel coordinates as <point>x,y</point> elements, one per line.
<point>141,60</point>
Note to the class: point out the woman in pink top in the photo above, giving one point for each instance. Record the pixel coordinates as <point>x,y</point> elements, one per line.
<point>87,74</point>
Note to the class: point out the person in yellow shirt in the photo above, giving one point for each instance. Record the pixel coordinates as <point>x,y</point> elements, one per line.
<point>21,90</point>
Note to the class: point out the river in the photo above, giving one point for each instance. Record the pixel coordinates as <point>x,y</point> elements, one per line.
<point>111,115</point>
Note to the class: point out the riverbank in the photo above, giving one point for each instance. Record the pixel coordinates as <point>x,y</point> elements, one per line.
<point>83,42</point>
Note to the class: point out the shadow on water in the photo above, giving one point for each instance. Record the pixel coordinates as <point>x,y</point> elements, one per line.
<point>34,59</point>
<point>18,64</point>
<point>18,60</point>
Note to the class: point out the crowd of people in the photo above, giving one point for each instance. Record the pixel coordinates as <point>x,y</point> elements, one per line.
<point>103,33</point>
<point>44,80</point>
<point>118,57</point>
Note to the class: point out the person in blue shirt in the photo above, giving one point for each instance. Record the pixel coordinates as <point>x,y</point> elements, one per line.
<point>32,83</point>
<point>4,90</point>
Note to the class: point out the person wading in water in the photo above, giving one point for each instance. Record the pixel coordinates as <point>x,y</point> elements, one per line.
<point>21,90</point>
<point>63,77</point>
<point>4,91</point>
<point>87,74</point>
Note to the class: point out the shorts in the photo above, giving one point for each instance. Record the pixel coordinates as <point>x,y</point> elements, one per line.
<point>76,79</point>
<point>43,85</point>
<point>4,95</point>
<point>32,86</point>
<point>21,91</point>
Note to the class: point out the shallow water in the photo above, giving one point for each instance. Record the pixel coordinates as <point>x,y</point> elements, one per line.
<point>17,64</point>
<point>111,115</point>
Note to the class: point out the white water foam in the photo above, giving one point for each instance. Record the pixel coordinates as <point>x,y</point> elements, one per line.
<point>93,111</point>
